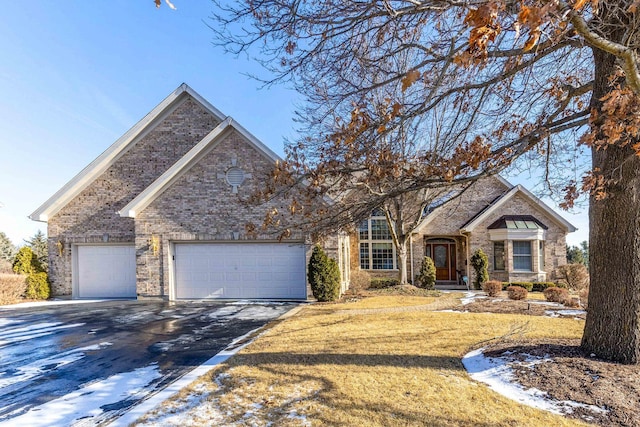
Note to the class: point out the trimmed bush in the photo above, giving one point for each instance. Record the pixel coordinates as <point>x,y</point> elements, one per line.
<point>359,280</point>
<point>12,287</point>
<point>517,292</point>
<point>492,288</point>
<point>38,286</point>
<point>574,276</point>
<point>381,283</point>
<point>555,294</point>
<point>324,276</point>
<point>480,262</point>
<point>541,286</point>
<point>526,285</point>
<point>426,277</point>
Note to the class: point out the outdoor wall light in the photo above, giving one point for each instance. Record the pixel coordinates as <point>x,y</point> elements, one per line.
<point>60,246</point>
<point>154,245</point>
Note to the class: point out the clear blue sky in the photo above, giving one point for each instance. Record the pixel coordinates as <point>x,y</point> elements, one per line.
<point>76,75</point>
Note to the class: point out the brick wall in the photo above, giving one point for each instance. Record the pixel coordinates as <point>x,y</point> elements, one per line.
<point>91,216</point>
<point>200,206</point>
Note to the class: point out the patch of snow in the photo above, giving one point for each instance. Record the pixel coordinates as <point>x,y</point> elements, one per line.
<point>12,335</point>
<point>7,322</point>
<point>553,304</point>
<point>496,373</point>
<point>87,402</point>
<point>250,302</point>
<point>182,418</point>
<point>294,415</point>
<point>41,366</point>
<point>50,303</point>
<point>254,312</point>
<point>558,313</point>
<point>469,297</point>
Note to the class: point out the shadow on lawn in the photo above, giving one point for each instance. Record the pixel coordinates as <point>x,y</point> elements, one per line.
<point>322,401</point>
<point>395,360</point>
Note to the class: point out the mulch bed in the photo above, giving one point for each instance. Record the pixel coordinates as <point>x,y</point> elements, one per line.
<point>570,374</point>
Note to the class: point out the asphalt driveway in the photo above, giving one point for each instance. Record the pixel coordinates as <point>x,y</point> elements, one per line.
<point>85,363</point>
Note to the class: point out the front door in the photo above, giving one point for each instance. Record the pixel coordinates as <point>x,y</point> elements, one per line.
<point>441,260</point>
<point>444,258</point>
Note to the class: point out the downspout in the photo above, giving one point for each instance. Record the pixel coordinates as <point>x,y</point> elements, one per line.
<point>466,261</point>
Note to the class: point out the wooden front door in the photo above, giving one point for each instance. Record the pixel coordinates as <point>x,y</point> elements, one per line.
<point>444,258</point>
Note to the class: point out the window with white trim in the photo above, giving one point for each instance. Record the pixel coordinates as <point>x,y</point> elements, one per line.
<point>522,255</point>
<point>377,251</point>
<point>541,255</point>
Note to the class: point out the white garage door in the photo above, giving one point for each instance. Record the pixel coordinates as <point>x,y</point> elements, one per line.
<point>240,270</point>
<point>106,271</point>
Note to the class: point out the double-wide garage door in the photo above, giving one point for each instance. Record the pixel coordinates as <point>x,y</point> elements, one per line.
<point>240,271</point>
<point>106,271</point>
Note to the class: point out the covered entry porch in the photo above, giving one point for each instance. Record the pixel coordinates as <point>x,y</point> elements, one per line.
<point>449,254</point>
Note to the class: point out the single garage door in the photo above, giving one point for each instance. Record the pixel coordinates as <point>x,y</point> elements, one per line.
<point>240,271</point>
<point>106,271</point>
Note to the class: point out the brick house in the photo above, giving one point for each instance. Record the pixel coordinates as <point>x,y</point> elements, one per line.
<point>523,237</point>
<point>162,213</point>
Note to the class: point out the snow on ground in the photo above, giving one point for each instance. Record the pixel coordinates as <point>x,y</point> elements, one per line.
<point>49,303</point>
<point>558,313</point>
<point>182,416</point>
<point>87,402</point>
<point>469,297</point>
<point>498,375</point>
<point>42,366</point>
<point>12,335</point>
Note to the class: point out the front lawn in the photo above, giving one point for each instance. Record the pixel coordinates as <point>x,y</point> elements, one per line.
<point>366,363</point>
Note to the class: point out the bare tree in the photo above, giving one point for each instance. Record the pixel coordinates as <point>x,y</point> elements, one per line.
<point>523,77</point>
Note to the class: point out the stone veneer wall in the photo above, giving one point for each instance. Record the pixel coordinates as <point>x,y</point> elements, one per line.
<point>199,206</point>
<point>91,215</point>
<point>452,216</point>
<point>555,242</point>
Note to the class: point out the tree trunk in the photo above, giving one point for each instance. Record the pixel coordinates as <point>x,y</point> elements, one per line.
<point>612,329</point>
<point>402,250</point>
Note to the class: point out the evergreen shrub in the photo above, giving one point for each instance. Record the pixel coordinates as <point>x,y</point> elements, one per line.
<point>480,262</point>
<point>426,277</point>
<point>324,276</point>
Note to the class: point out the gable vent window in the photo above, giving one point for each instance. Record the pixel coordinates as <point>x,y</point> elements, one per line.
<point>235,176</point>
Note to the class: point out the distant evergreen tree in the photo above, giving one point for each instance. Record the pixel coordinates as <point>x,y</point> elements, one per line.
<point>578,255</point>
<point>7,249</point>
<point>38,244</point>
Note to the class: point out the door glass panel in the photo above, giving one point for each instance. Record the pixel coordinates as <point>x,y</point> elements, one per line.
<point>440,256</point>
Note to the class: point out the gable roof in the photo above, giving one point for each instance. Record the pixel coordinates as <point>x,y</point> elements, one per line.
<point>164,181</point>
<point>493,207</point>
<point>83,179</point>
<point>441,206</point>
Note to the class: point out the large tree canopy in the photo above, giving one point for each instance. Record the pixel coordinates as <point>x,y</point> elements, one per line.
<point>481,84</point>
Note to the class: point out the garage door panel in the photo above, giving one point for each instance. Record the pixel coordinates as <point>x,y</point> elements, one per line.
<point>106,271</point>
<point>240,271</point>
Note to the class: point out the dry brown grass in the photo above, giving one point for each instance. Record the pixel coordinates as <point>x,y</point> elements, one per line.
<point>334,365</point>
<point>12,288</point>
